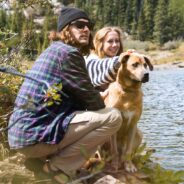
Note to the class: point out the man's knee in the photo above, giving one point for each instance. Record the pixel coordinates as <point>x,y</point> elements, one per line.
<point>116,118</point>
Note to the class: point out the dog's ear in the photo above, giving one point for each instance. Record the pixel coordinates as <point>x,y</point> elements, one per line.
<point>148,62</point>
<point>124,57</point>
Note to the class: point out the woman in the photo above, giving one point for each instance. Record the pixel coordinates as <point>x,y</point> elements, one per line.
<point>107,44</point>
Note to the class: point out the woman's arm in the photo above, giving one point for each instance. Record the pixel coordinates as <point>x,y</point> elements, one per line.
<point>102,71</point>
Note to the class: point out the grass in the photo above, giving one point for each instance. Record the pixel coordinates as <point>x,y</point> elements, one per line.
<point>168,56</point>
<point>168,53</point>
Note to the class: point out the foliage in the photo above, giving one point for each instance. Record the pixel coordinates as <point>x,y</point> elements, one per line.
<point>4,152</point>
<point>139,45</point>
<point>174,44</point>
<point>161,27</point>
<point>159,175</point>
<point>9,86</point>
<point>170,53</point>
<point>22,38</point>
<point>17,29</point>
<point>155,173</point>
<point>52,95</point>
<point>8,89</point>
<point>27,3</point>
<point>143,19</point>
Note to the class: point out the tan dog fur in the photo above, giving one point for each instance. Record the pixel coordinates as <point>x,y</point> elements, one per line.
<point>126,95</point>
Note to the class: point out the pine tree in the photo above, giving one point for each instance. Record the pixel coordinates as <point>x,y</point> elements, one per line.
<point>141,32</point>
<point>99,18</point>
<point>45,29</point>
<point>122,13</point>
<point>65,2</point>
<point>3,19</point>
<point>129,16</point>
<point>161,28</point>
<point>116,12</point>
<point>80,3</point>
<point>176,19</point>
<point>177,26</point>
<point>108,12</point>
<point>149,21</point>
<point>135,8</point>
<point>16,20</point>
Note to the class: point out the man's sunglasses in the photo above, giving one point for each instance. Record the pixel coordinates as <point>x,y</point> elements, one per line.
<point>82,24</point>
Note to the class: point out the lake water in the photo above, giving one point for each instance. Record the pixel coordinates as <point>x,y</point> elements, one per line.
<point>162,121</point>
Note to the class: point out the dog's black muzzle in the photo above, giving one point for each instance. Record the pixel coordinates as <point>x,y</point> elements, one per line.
<point>145,78</point>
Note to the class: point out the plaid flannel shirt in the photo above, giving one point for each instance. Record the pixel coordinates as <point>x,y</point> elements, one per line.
<point>59,63</point>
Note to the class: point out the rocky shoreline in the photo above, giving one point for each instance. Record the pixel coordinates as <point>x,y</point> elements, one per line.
<point>170,65</point>
<point>13,170</point>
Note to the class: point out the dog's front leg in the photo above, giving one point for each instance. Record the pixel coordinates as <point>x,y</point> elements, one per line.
<point>114,152</point>
<point>128,164</point>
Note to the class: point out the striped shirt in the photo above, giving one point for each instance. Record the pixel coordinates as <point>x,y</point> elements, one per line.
<point>102,71</point>
<point>59,63</point>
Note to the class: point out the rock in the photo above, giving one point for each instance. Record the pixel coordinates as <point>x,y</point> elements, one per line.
<point>170,65</point>
<point>108,179</point>
<point>181,65</point>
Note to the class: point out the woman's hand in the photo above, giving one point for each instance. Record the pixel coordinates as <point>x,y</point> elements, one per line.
<point>126,54</point>
<point>129,51</point>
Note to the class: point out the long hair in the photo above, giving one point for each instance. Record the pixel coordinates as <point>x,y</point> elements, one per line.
<point>66,36</point>
<point>99,40</point>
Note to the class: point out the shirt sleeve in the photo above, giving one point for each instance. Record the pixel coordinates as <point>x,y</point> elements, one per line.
<point>77,84</point>
<point>102,71</point>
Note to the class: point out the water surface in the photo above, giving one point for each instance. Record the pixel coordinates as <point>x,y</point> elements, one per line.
<point>162,121</point>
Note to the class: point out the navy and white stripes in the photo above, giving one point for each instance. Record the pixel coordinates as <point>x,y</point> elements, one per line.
<point>102,71</point>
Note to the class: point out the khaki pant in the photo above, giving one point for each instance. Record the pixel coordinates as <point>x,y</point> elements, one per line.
<point>87,131</point>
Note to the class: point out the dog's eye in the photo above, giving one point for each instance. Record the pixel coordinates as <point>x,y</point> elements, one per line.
<point>145,65</point>
<point>135,64</point>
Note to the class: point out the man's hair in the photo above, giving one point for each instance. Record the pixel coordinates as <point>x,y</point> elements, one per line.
<point>68,15</point>
<point>66,37</point>
<point>99,39</point>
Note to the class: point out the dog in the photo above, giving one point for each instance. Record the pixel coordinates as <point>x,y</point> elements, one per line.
<point>126,95</point>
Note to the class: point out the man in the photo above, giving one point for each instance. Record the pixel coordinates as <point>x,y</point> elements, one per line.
<point>59,131</point>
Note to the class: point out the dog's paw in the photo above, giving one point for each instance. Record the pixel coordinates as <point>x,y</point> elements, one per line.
<point>115,164</point>
<point>129,167</point>
<point>110,169</point>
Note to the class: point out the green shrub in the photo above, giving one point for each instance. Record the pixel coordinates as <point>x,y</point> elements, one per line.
<point>139,45</point>
<point>172,45</point>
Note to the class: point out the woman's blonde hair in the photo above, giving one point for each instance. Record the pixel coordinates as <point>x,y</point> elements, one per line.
<point>66,36</point>
<point>99,39</point>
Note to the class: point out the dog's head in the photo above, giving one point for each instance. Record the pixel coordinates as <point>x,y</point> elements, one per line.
<point>136,66</point>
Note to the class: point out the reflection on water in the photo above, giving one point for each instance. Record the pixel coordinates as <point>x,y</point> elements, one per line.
<point>162,121</point>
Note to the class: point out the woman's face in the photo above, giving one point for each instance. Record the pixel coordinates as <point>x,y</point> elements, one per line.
<point>111,44</point>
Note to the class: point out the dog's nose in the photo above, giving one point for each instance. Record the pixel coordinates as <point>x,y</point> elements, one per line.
<point>145,78</point>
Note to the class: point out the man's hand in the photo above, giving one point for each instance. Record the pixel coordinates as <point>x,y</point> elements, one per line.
<point>104,94</point>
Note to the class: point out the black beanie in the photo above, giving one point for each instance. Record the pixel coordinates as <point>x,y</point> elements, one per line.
<point>68,15</point>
